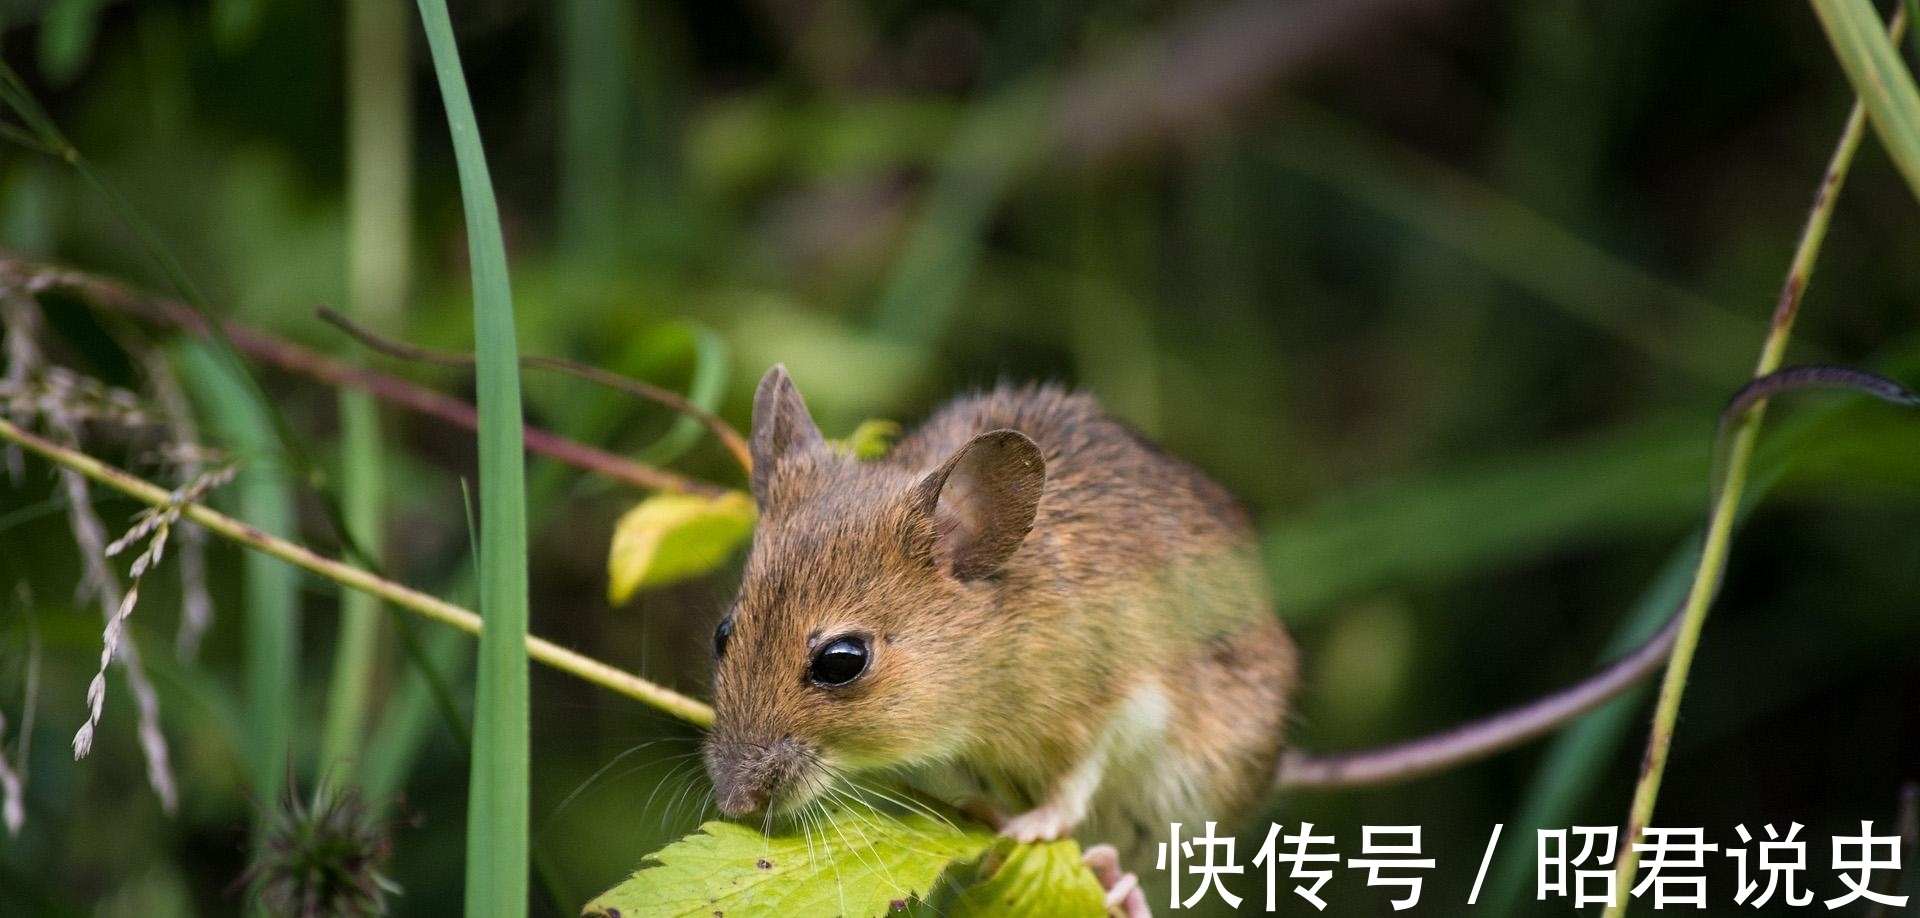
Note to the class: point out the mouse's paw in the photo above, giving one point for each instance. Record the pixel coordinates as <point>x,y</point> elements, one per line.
<point>1045,823</point>
<point>1124,897</point>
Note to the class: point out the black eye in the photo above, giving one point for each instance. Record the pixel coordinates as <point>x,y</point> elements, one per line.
<point>720,636</point>
<point>840,662</point>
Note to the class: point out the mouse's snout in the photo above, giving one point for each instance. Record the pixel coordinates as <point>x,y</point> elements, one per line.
<point>751,776</point>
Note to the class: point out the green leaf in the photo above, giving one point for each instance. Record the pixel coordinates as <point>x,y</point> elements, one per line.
<point>1043,881</point>
<point>668,538</point>
<point>870,440</point>
<point>1873,65</point>
<point>862,864</point>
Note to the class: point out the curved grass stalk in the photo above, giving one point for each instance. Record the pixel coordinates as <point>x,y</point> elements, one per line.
<point>651,694</point>
<point>1726,498</point>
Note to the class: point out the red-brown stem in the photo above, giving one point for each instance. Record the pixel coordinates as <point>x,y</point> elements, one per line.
<point>36,278</point>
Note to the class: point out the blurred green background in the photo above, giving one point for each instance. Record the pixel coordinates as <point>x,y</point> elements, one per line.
<point>1449,292</point>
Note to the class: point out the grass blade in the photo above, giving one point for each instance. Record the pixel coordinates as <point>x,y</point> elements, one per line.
<point>497,797</point>
<point>265,499</point>
<point>1873,65</point>
<point>1515,243</point>
<point>1742,436</point>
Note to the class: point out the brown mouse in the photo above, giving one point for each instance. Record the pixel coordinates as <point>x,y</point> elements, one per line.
<point>1027,601</point>
<point>1023,598</point>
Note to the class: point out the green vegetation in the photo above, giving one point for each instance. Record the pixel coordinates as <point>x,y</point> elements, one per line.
<point>1451,297</point>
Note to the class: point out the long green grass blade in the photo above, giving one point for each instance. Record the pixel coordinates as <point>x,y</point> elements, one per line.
<point>497,799</point>
<point>1516,243</point>
<point>1525,506</point>
<point>1885,86</point>
<point>264,497</point>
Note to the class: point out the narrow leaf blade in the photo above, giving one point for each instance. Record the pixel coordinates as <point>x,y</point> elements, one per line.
<point>497,843</point>
<point>1874,67</point>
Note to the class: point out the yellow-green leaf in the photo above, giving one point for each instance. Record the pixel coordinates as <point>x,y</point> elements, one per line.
<point>870,440</point>
<point>852,864</point>
<point>1029,881</point>
<point>672,537</point>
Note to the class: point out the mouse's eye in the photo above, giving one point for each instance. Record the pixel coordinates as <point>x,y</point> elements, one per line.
<point>839,662</point>
<point>720,635</point>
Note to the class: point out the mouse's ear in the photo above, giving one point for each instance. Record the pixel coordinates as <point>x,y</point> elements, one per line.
<point>981,501</point>
<point>781,427</point>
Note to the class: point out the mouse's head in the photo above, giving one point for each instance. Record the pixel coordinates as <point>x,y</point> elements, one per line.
<point>868,608</point>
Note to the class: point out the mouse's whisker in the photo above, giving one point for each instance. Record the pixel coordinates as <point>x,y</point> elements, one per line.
<point>689,803</point>
<point>682,778</point>
<point>905,801</point>
<point>665,781</point>
<point>647,807</point>
<point>585,785</point>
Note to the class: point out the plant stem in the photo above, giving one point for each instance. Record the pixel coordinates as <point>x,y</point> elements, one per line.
<point>667,398</point>
<point>567,661</point>
<point>22,274</point>
<point>1726,502</point>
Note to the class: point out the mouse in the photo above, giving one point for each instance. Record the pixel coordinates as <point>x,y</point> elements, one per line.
<point>1029,606</point>
<point>1024,603</point>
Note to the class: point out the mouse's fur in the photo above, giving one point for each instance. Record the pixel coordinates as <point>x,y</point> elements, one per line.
<point>1068,619</point>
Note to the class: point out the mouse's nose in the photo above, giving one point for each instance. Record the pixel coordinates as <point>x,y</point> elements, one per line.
<point>748,775</point>
<point>737,800</point>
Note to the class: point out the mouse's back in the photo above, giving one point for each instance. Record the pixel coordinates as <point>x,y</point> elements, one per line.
<point>1100,471</point>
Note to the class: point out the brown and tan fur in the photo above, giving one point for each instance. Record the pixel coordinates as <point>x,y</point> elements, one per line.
<point>1106,659</point>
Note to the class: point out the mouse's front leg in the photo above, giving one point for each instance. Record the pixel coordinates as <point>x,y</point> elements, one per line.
<point>1135,731</point>
<point>1065,807</point>
<point>1056,818</point>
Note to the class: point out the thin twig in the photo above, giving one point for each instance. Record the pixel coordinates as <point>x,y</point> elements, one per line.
<point>399,350</point>
<point>34,278</point>
<point>1726,501</point>
<point>560,658</point>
